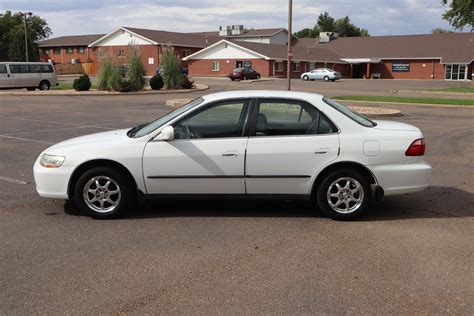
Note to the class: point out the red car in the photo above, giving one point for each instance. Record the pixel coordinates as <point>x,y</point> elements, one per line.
<point>244,74</point>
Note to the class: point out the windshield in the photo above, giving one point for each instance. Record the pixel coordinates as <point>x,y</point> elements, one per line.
<point>359,118</point>
<point>147,129</point>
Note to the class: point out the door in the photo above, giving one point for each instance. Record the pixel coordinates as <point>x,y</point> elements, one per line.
<point>21,77</point>
<point>290,143</point>
<point>4,77</point>
<point>206,156</point>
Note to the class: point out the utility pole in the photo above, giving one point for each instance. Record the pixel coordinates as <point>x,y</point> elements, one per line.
<point>24,14</point>
<point>290,53</point>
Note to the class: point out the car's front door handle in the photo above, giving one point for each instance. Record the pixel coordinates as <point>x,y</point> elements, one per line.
<point>321,151</point>
<point>230,154</point>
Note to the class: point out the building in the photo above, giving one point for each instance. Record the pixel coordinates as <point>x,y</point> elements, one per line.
<point>268,59</point>
<point>434,56</point>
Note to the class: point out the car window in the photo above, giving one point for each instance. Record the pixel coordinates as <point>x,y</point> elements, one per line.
<point>3,69</point>
<point>19,69</point>
<point>359,118</point>
<point>225,119</point>
<point>278,118</point>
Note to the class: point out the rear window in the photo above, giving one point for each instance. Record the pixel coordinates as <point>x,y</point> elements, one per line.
<point>238,69</point>
<point>359,118</point>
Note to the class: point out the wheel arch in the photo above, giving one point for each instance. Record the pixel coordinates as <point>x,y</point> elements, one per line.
<point>93,164</point>
<point>340,165</point>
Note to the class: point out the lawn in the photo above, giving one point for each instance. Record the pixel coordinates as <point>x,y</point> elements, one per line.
<point>457,89</point>
<point>412,100</point>
<point>62,86</point>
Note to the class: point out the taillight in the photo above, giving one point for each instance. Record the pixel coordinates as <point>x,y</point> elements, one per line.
<point>417,148</point>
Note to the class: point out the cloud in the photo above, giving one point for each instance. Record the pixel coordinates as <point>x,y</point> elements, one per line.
<point>380,17</point>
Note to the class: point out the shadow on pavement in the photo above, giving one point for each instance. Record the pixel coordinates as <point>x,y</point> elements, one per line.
<point>435,202</point>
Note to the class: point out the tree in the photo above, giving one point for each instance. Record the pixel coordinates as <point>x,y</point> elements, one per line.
<point>170,63</point>
<point>12,36</point>
<point>326,23</point>
<point>460,13</point>
<point>439,30</point>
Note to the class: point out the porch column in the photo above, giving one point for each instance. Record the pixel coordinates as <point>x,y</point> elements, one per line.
<point>368,71</point>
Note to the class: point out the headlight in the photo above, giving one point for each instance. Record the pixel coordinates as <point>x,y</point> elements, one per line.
<point>51,161</point>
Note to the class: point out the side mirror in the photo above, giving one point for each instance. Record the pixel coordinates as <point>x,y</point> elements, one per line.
<point>166,134</point>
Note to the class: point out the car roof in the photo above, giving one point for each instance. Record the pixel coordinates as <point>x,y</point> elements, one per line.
<point>262,94</point>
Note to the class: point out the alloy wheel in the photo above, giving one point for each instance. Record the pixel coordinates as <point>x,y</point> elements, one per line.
<point>345,195</point>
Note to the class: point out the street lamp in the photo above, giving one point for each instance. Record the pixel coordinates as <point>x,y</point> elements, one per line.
<point>289,52</point>
<point>24,14</point>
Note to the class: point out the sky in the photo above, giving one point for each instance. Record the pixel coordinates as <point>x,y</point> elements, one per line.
<point>380,17</point>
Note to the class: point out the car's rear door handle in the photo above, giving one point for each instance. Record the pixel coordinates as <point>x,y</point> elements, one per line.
<point>321,151</point>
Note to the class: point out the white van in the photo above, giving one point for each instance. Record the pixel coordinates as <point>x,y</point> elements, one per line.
<point>15,75</point>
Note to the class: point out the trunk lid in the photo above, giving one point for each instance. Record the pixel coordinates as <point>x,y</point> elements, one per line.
<point>394,126</point>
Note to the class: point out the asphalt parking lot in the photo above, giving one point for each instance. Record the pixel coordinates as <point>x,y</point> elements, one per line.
<point>410,254</point>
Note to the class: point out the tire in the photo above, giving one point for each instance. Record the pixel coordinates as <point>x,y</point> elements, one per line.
<point>339,206</point>
<point>44,85</point>
<point>326,78</point>
<point>86,191</point>
<point>258,77</point>
<point>245,77</point>
<point>333,80</point>
<point>232,79</point>
<point>305,78</point>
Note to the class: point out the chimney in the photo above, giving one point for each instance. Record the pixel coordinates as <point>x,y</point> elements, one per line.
<point>326,37</point>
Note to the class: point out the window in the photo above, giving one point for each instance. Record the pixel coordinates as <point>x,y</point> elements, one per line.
<point>19,69</point>
<point>219,120</point>
<point>215,66</point>
<point>80,50</point>
<point>56,51</point>
<point>41,68</point>
<point>69,50</point>
<point>46,51</point>
<point>279,66</point>
<point>455,72</point>
<point>296,67</point>
<point>3,69</point>
<point>101,53</point>
<point>359,118</point>
<point>121,53</point>
<point>278,118</point>
<point>186,52</point>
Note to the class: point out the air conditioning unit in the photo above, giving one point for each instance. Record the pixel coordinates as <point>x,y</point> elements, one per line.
<point>237,29</point>
<point>74,61</point>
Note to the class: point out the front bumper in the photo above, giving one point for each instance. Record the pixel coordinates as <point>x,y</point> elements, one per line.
<point>403,178</point>
<point>52,182</point>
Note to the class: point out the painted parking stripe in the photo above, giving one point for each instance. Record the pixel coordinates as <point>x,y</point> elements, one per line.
<point>27,139</point>
<point>12,180</point>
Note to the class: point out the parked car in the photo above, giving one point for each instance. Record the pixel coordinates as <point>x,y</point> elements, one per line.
<point>241,143</point>
<point>182,71</point>
<point>244,74</point>
<point>32,76</point>
<point>321,74</point>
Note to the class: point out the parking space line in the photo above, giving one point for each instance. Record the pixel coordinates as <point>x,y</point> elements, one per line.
<point>58,129</point>
<point>27,139</point>
<point>36,120</point>
<point>12,180</point>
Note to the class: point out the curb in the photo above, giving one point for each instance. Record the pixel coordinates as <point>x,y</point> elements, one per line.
<point>410,104</point>
<point>198,87</point>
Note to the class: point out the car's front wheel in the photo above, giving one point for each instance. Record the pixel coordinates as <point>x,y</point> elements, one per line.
<point>44,85</point>
<point>326,78</point>
<point>103,192</point>
<point>344,194</point>
<point>305,78</point>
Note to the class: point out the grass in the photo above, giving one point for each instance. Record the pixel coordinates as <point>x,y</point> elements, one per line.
<point>457,89</point>
<point>62,86</point>
<point>409,100</point>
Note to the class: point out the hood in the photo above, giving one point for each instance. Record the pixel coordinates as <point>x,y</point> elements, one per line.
<point>92,139</point>
<point>394,126</point>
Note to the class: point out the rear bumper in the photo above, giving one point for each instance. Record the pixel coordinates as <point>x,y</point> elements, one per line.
<point>401,179</point>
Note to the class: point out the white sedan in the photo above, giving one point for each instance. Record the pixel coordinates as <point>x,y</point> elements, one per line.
<point>321,74</point>
<point>241,143</point>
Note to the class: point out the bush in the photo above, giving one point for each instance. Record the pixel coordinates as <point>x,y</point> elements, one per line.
<point>115,79</point>
<point>136,71</point>
<point>186,83</point>
<point>83,83</point>
<point>105,73</point>
<point>170,63</point>
<point>125,85</point>
<point>156,82</point>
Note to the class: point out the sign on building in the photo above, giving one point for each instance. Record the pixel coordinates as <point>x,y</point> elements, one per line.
<point>401,66</point>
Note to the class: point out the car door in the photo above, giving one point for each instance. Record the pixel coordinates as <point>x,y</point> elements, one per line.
<point>290,142</point>
<point>206,156</point>
<point>4,76</point>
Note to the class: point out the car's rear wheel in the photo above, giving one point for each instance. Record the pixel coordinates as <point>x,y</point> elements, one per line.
<point>258,77</point>
<point>344,194</point>
<point>245,77</point>
<point>44,85</point>
<point>103,192</point>
<point>326,78</point>
<point>305,78</point>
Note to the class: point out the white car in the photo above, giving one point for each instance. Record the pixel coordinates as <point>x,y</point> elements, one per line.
<point>321,74</point>
<point>241,143</point>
